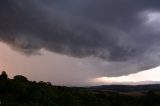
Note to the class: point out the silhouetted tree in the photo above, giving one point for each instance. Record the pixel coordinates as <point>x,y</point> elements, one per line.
<point>3,76</point>
<point>22,92</point>
<point>20,78</point>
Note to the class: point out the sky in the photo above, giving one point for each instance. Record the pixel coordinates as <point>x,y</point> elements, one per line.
<point>81,42</point>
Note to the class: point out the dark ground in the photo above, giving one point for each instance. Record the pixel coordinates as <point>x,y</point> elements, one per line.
<point>19,91</point>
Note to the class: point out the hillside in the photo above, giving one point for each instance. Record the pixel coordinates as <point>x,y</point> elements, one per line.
<point>128,88</point>
<point>19,91</point>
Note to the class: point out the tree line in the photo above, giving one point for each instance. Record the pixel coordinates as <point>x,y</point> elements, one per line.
<point>19,91</point>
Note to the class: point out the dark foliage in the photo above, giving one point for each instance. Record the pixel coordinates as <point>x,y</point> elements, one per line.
<point>22,92</point>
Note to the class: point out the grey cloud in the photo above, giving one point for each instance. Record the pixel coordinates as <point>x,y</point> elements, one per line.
<point>109,29</point>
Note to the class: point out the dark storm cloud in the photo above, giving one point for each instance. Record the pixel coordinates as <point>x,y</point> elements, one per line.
<point>113,30</point>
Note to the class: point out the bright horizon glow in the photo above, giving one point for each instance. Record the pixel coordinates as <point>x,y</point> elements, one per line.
<point>147,75</point>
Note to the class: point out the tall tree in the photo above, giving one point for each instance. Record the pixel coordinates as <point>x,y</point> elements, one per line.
<point>3,76</point>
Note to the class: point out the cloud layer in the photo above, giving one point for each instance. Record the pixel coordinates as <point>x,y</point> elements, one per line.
<point>118,32</point>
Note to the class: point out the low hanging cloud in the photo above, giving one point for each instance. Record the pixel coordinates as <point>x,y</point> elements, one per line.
<point>118,32</point>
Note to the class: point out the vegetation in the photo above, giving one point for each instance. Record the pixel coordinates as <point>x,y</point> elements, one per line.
<point>19,91</point>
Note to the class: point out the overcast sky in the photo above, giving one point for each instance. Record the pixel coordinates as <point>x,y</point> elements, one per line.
<point>73,42</point>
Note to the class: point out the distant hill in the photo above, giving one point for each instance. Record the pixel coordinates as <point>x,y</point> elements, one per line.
<point>128,88</point>
<point>19,91</point>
